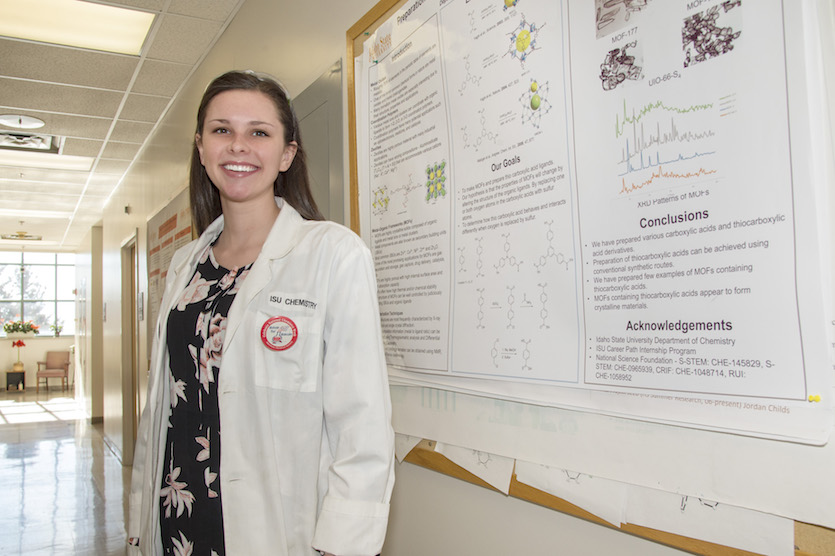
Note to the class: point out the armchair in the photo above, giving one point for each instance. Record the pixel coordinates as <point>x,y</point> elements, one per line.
<point>57,365</point>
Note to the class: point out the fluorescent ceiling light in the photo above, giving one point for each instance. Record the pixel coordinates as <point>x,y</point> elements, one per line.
<point>76,23</point>
<point>23,213</point>
<point>45,161</point>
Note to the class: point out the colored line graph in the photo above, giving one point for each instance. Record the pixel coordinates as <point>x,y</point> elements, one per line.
<point>650,163</point>
<point>620,124</point>
<point>659,174</point>
<point>642,141</point>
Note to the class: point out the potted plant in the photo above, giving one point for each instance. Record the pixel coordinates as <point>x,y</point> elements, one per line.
<point>56,328</point>
<point>18,365</point>
<point>20,329</point>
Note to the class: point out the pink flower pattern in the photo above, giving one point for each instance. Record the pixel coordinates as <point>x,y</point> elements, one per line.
<point>196,331</point>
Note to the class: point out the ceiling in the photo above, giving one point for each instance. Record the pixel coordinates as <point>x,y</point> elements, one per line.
<point>105,106</point>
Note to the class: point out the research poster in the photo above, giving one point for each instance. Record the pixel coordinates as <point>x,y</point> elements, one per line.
<point>593,204</point>
<point>168,230</point>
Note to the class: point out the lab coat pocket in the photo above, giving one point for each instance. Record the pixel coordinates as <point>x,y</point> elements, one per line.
<point>290,353</point>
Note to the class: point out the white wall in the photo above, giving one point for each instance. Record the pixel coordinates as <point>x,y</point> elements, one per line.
<point>88,325</point>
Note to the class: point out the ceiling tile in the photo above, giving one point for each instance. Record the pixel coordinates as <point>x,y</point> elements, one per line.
<point>81,147</point>
<point>12,173</point>
<point>114,167</point>
<point>182,39</point>
<point>62,99</point>
<point>120,151</point>
<point>150,5</point>
<point>131,132</point>
<point>54,193</point>
<point>217,10</point>
<point>35,201</point>
<point>59,64</point>
<point>104,180</point>
<point>98,191</point>
<point>143,108</point>
<point>160,78</point>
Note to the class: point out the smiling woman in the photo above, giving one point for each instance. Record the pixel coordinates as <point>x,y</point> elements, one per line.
<point>275,313</point>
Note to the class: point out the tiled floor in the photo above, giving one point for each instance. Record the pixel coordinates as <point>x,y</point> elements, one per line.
<point>61,489</point>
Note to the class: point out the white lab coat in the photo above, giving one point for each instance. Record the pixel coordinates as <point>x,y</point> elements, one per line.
<point>307,456</point>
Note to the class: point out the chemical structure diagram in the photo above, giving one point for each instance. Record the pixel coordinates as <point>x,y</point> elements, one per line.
<point>463,260</point>
<point>479,264</point>
<point>523,40</point>
<point>497,354</point>
<point>480,324</point>
<point>535,103</point>
<point>543,313</point>
<point>705,503</point>
<point>510,312</point>
<point>435,180</point>
<point>572,476</point>
<point>485,135</point>
<point>483,458</point>
<point>381,201</point>
<point>507,259</point>
<point>526,356</point>
<point>471,17</point>
<point>383,196</point>
<point>618,66</point>
<point>550,252</point>
<point>470,78</point>
<point>510,309</point>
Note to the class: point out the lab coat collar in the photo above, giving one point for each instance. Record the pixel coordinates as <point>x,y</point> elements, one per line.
<point>283,237</point>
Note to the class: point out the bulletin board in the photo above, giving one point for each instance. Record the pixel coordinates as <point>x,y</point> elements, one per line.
<point>589,159</point>
<point>168,230</point>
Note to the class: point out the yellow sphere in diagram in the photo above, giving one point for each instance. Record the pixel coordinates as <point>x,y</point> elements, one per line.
<point>509,3</point>
<point>523,40</point>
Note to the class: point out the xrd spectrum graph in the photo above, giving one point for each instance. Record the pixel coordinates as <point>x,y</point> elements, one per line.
<point>649,162</point>
<point>621,121</point>
<point>661,174</point>
<point>641,140</point>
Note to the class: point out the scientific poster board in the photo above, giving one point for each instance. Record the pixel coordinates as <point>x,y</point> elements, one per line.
<point>572,209</point>
<point>168,230</point>
<point>487,193</point>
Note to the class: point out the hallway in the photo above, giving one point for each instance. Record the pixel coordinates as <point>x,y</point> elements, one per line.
<point>63,489</point>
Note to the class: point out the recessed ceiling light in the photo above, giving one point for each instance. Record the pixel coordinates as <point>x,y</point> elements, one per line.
<point>76,23</point>
<point>36,213</point>
<point>46,161</point>
<point>19,121</point>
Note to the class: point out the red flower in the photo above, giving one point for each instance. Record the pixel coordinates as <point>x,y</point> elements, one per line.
<point>18,344</point>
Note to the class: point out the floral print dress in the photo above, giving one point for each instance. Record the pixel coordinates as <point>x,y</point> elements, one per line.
<point>190,502</point>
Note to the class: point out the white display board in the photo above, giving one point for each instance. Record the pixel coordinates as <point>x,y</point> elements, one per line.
<point>606,206</point>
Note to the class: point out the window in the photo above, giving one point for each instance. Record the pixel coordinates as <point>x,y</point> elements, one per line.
<point>38,287</point>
